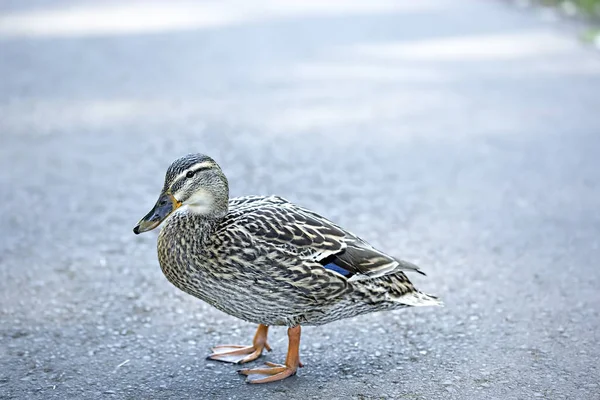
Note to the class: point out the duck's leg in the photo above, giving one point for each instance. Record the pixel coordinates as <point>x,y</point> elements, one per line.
<point>271,372</point>
<point>242,354</point>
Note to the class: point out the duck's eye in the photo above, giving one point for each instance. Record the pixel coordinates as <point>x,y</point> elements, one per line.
<point>190,174</point>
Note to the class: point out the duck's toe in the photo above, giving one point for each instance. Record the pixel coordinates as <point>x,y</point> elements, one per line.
<point>237,354</point>
<point>270,372</point>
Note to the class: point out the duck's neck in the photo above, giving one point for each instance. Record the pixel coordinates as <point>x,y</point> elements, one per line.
<point>195,228</point>
<point>210,213</point>
<point>205,219</point>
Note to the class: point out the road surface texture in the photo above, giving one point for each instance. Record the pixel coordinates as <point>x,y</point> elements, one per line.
<point>461,135</point>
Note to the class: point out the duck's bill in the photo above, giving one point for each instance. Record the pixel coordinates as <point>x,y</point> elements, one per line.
<point>165,205</point>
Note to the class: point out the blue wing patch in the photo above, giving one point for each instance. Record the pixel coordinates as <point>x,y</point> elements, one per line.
<point>338,269</point>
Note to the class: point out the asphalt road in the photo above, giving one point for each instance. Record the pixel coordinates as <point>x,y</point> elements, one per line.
<point>461,135</point>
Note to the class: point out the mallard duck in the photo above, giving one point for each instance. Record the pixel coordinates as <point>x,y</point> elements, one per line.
<point>267,261</point>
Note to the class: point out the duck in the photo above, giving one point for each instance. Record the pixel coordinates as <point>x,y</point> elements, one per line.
<point>269,262</point>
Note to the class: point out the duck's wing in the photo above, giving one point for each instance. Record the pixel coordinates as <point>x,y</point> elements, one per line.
<point>313,238</point>
<point>293,242</point>
<point>360,260</point>
<point>276,222</point>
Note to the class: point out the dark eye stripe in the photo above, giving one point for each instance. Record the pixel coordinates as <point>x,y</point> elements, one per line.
<point>192,172</point>
<point>195,171</point>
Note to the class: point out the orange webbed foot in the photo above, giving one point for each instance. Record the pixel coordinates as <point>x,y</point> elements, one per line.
<point>270,372</point>
<point>242,354</point>
<point>237,354</point>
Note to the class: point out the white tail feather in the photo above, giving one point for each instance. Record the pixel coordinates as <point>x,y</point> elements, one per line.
<point>418,299</point>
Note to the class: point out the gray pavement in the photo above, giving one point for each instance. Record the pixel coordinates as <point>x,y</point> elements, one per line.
<point>461,135</point>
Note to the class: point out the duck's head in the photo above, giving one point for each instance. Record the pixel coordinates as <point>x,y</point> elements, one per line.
<point>195,181</point>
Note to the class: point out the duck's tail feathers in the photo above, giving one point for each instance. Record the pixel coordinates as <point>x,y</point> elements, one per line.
<point>418,299</point>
